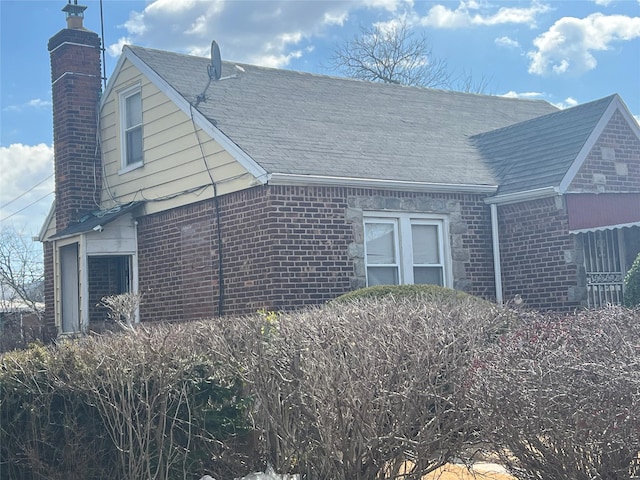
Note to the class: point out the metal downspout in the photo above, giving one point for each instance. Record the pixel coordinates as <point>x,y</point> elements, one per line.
<point>495,236</point>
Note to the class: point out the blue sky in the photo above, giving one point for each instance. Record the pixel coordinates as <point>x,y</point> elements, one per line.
<point>565,52</point>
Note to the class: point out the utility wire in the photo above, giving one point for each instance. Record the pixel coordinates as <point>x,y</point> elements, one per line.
<point>23,209</point>
<point>24,193</point>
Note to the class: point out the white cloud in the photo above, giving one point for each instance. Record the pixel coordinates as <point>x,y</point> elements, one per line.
<point>389,5</point>
<point>26,179</point>
<point>568,46</point>
<point>268,33</point>
<point>567,103</point>
<point>604,3</point>
<point>135,25</point>
<point>528,95</point>
<point>115,49</point>
<point>507,42</point>
<point>335,18</point>
<point>471,13</point>
<point>34,103</point>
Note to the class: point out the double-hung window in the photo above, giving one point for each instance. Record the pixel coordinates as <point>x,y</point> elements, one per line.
<point>131,127</point>
<point>405,249</point>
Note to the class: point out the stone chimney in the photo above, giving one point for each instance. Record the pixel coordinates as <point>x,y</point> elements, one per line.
<point>76,87</point>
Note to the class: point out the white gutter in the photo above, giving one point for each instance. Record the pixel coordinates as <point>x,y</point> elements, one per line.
<point>523,196</point>
<point>402,185</point>
<point>495,236</point>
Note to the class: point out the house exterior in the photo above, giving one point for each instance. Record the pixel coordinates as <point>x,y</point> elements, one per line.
<point>276,189</point>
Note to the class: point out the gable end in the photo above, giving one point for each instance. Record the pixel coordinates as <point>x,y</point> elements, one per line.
<point>609,161</point>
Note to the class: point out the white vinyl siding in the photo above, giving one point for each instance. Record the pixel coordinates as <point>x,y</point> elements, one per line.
<point>174,172</point>
<point>405,249</point>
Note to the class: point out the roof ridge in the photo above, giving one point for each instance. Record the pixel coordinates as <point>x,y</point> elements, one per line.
<point>564,111</point>
<point>382,85</point>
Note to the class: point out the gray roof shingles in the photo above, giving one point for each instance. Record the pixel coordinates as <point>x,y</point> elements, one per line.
<point>306,124</point>
<point>537,153</point>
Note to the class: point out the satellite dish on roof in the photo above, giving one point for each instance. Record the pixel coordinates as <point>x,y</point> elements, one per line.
<point>215,69</point>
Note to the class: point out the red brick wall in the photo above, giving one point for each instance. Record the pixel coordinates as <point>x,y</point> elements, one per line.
<point>477,239</point>
<point>284,248</point>
<point>76,86</point>
<point>306,259</point>
<point>105,278</point>
<point>176,255</point>
<point>599,174</point>
<point>49,308</point>
<point>539,258</point>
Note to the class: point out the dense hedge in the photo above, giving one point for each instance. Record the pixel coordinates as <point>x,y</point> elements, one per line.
<point>153,403</point>
<point>558,396</point>
<point>423,292</point>
<point>351,390</point>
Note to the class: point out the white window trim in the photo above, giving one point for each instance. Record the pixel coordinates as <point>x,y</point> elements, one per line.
<point>404,251</point>
<point>123,95</point>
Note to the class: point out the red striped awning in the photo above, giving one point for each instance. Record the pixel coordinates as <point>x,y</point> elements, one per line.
<point>602,211</point>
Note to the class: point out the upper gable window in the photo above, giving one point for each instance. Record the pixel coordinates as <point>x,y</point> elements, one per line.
<point>131,128</point>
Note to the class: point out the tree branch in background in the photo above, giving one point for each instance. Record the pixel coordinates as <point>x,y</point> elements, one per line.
<point>391,54</point>
<point>21,272</point>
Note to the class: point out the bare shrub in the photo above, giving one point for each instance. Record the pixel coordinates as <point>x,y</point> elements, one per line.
<point>122,309</point>
<point>45,431</point>
<point>560,396</point>
<point>353,390</point>
<point>154,403</point>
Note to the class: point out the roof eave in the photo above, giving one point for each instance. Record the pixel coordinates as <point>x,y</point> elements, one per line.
<point>45,226</point>
<point>400,185</point>
<point>523,196</point>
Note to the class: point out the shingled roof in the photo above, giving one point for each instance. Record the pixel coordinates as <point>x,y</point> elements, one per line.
<point>538,153</point>
<point>306,124</point>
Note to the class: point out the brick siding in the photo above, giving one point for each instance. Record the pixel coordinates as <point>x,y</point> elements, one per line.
<point>540,260</point>
<point>75,71</point>
<point>175,263</point>
<point>613,165</point>
<point>283,248</point>
<point>105,278</point>
<point>49,310</point>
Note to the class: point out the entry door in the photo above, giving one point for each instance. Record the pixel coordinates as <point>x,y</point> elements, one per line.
<point>70,293</point>
<point>604,268</point>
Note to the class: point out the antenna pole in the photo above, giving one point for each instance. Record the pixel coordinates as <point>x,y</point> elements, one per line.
<point>104,65</point>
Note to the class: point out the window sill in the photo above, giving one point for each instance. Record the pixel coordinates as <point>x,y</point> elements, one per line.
<point>128,168</point>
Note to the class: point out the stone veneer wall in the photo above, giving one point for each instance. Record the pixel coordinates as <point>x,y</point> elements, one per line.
<point>469,233</point>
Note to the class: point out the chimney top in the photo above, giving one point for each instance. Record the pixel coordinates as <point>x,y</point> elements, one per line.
<point>75,14</point>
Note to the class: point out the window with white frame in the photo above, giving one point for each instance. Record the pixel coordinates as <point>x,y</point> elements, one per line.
<point>405,249</point>
<point>131,127</point>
